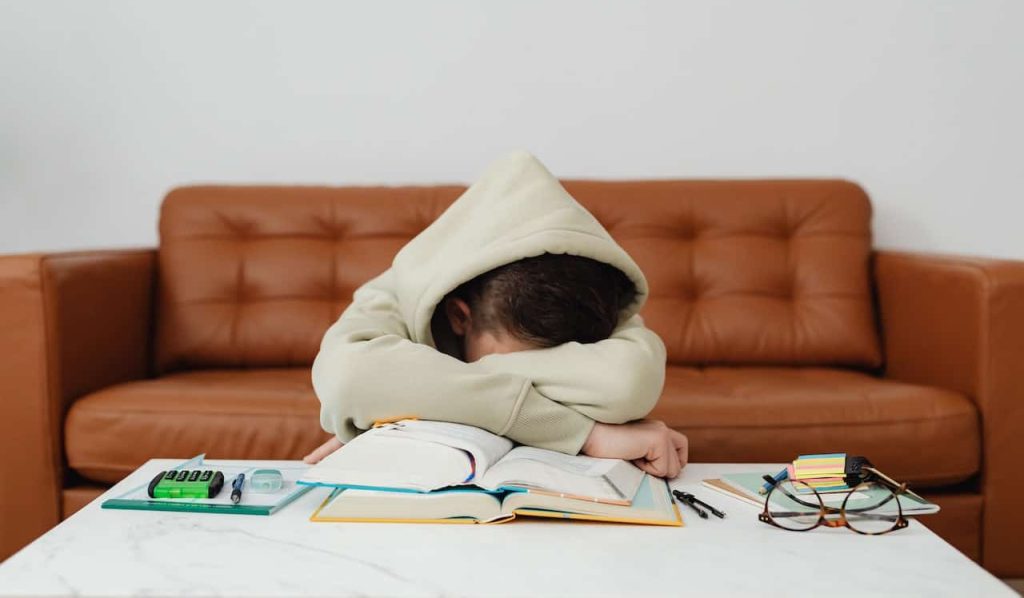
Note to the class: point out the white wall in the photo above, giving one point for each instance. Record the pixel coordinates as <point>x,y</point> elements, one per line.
<point>104,106</point>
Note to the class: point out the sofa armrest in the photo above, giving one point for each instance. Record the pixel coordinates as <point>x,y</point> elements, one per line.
<point>70,323</point>
<point>958,323</point>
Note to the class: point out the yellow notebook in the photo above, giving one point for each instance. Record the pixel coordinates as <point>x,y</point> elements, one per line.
<point>651,505</point>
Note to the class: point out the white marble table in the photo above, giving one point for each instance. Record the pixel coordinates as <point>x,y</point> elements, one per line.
<point>113,553</point>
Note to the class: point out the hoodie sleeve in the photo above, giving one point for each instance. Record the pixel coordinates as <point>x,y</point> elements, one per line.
<point>368,370</point>
<point>612,381</point>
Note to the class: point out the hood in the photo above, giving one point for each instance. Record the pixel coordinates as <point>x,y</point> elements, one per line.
<point>517,209</point>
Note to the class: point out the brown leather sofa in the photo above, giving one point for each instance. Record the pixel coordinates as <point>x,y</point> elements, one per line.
<point>786,334</point>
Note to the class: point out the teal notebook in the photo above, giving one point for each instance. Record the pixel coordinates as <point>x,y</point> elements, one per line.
<point>252,503</point>
<point>748,484</point>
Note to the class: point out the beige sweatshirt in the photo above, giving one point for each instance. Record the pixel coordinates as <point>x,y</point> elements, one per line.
<point>379,361</point>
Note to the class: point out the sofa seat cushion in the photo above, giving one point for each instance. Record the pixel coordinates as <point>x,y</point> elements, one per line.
<point>921,435</point>
<point>227,414</point>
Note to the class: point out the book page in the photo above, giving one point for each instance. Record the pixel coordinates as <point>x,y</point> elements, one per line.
<point>485,447</point>
<point>368,505</point>
<point>652,504</point>
<point>576,464</point>
<point>375,460</point>
<point>605,480</point>
<point>411,455</point>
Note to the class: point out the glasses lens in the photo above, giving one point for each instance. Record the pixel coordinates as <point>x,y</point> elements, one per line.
<point>794,506</point>
<point>872,509</point>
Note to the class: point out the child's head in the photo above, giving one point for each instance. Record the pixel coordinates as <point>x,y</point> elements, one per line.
<point>538,302</point>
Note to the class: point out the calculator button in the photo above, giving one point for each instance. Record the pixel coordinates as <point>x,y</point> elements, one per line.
<point>182,476</point>
<point>206,475</point>
<point>170,475</point>
<point>194,476</point>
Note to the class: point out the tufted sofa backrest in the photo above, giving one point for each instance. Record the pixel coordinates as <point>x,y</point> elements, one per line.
<point>741,272</point>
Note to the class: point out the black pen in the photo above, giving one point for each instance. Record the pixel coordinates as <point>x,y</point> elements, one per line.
<point>714,511</point>
<point>682,497</point>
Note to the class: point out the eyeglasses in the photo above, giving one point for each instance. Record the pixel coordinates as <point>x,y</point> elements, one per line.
<point>871,508</point>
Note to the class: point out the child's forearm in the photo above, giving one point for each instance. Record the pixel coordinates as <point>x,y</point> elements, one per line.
<point>616,380</point>
<point>390,377</point>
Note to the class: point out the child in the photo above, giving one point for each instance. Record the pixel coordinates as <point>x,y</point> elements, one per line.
<point>515,312</point>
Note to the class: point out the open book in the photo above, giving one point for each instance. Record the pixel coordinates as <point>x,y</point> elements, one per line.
<point>423,456</point>
<point>651,505</point>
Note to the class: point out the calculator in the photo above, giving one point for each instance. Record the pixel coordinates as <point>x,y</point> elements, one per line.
<point>185,483</point>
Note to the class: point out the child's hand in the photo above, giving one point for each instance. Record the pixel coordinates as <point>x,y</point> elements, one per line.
<point>650,445</point>
<point>323,450</point>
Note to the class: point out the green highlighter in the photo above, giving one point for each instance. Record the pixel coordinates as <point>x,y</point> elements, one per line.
<point>186,484</point>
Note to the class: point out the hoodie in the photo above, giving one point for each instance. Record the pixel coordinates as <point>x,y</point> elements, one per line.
<point>379,361</point>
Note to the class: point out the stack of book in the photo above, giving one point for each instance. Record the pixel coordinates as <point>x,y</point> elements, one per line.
<point>435,472</point>
<point>823,473</point>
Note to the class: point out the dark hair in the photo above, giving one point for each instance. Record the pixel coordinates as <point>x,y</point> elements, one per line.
<point>549,299</point>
